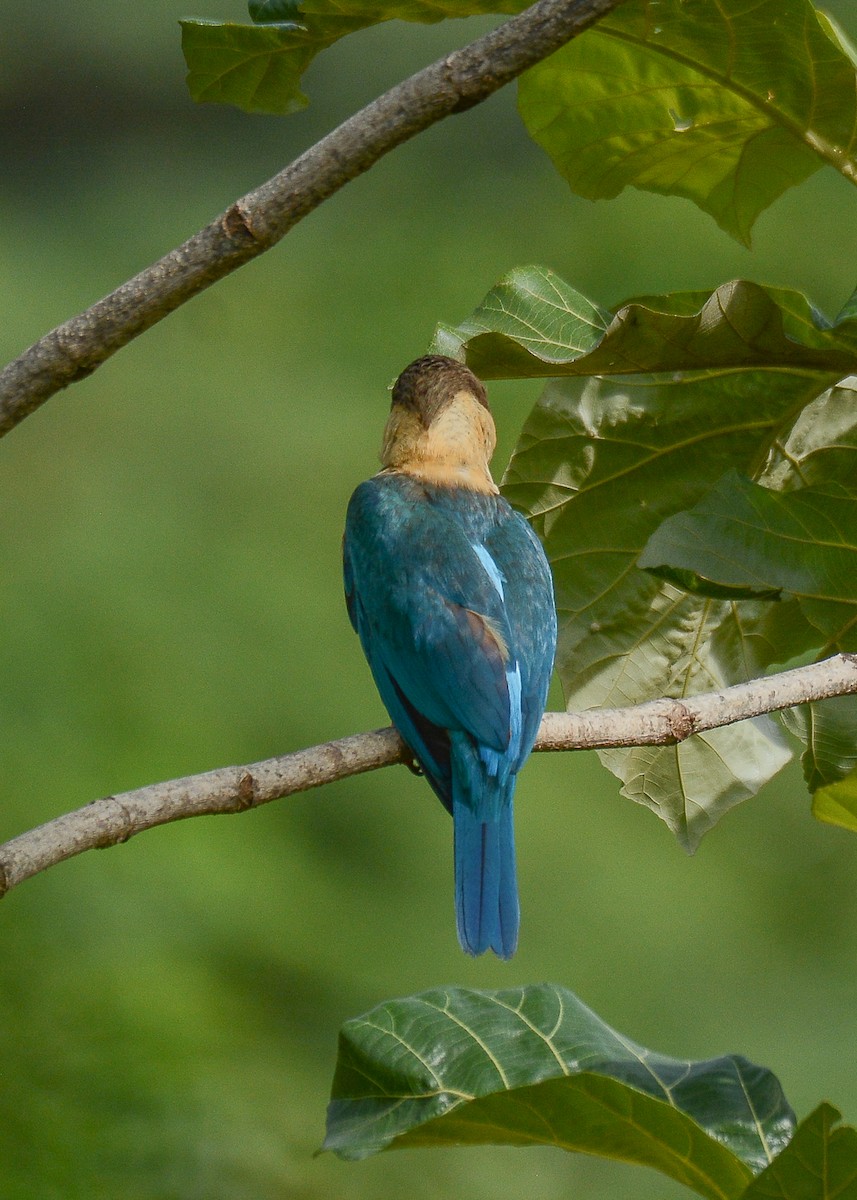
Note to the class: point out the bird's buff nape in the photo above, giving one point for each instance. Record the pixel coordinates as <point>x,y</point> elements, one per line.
<point>453,450</point>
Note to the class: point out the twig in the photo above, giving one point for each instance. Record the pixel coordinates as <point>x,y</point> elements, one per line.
<point>234,789</point>
<point>260,219</point>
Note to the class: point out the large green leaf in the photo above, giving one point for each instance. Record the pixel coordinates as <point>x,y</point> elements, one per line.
<point>533,324</point>
<point>599,465</point>
<point>820,1163</point>
<point>534,1066</point>
<point>727,104</point>
<point>747,539</point>
<point>258,67</point>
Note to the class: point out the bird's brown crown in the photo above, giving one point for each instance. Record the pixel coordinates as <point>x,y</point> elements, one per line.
<point>428,384</point>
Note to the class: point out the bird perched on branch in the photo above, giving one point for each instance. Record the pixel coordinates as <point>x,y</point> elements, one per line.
<point>451,595</point>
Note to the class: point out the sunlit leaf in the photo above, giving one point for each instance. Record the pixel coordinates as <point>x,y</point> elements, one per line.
<point>820,1163</point>
<point>534,1066</point>
<point>836,803</point>
<point>533,324</point>
<point>727,104</point>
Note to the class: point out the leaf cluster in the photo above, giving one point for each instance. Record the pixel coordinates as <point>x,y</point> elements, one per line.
<point>722,103</point>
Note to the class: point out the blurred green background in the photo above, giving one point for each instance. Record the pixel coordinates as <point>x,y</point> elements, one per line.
<point>171,602</point>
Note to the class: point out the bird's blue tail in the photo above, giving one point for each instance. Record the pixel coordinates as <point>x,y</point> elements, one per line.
<point>486,888</point>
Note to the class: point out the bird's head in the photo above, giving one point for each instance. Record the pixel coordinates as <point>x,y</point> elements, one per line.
<point>440,428</point>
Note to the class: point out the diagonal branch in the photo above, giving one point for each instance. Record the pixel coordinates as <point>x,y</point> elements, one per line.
<point>260,219</point>
<point>234,789</point>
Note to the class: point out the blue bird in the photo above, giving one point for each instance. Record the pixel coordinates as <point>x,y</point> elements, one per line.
<point>451,595</point>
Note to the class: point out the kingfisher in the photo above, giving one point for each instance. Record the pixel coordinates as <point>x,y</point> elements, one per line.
<point>450,593</point>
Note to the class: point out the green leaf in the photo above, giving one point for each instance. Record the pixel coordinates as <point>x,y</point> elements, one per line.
<point>533,1065</point>
<point>836,803</point>
<point>748,538</point>
<point>258,67</point>
<point>533,324</point>
<point>686,647</point>
<point>599,465</point>
<point>727,104</point>
<point>828,728</point>
<point>821,447</point>
<point>820,1163</point>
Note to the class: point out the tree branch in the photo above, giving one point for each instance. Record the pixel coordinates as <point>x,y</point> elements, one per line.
<point>260,219</point>
<point>665,722</point>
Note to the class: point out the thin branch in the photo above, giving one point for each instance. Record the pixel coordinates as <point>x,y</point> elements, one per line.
<point>260,219</point>
<point>667,722</point>
<point>234,789</point>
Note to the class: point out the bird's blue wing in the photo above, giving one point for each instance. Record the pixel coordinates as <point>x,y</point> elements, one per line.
<point>531,613</point>
<point>431,620</point>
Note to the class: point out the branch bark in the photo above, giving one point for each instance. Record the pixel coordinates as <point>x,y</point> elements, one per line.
<point>115,819</point>
<point>260,219</point>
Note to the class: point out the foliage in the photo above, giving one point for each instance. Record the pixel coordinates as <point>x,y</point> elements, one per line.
<point>689,117</point>
<point>818,1162</point>
<point>836,802</point>
<point>535,1066</point>
<point>695,99</point>
<point>690,471</point>
<point>609,450</point>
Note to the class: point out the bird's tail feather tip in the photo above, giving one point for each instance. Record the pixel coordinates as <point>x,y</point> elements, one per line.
<point>486,889</point>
